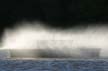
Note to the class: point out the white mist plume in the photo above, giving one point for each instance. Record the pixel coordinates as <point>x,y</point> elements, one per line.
<point>38,36</point>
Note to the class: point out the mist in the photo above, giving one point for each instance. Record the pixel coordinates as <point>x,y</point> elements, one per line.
<point>56,42</point>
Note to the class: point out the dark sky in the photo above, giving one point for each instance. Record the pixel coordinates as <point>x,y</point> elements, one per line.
<point>62,13</point>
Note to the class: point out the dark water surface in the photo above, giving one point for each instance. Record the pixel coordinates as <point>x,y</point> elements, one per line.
<point>54,65</point>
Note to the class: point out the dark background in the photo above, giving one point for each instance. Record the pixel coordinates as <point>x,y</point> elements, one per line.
<point>58,13</point>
